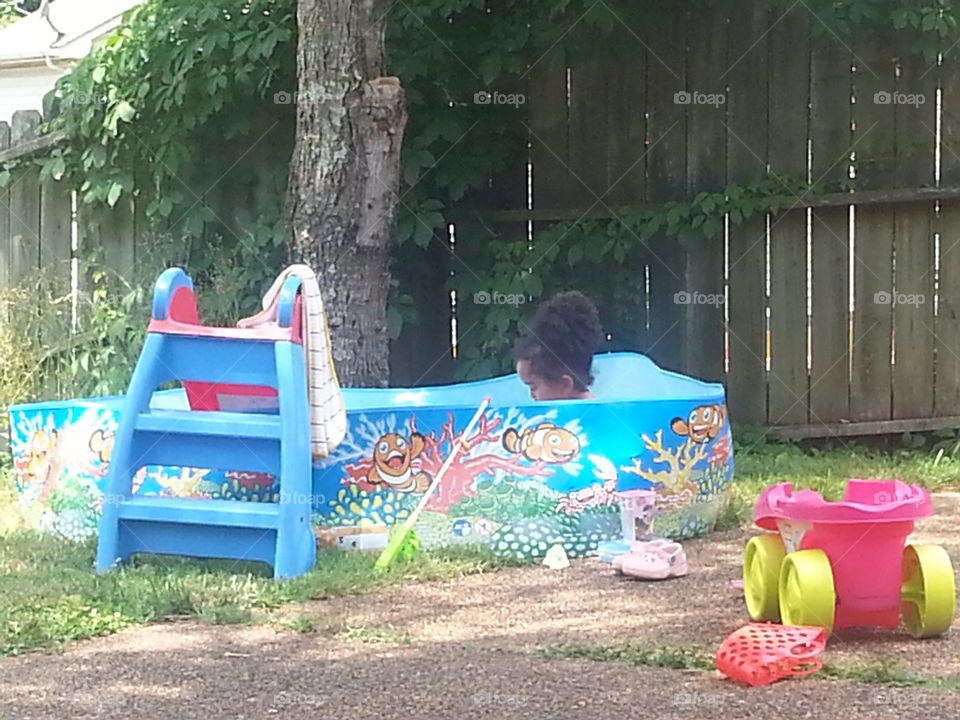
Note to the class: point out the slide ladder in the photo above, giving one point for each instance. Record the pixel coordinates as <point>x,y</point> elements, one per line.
<point>249,411</point>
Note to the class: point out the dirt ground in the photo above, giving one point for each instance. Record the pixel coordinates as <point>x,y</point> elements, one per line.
<point>469,653</point>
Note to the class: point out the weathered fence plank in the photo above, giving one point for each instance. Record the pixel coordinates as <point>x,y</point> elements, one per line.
<point>874,85</point>
<point>55,230</point>
<point>872,314</point>
<point>947,322</point>
<point>915,113</point>
<point>746,77</point>
<point>24,204</point>
<point>948,78</point>
<point>627,131</point>
<point>589,131</point>
<point>627,173</point>
<point>789,80</point>
<point>830,135</point>
<point>788,312</point>
<point>913,331</point>
<point>702,322</point>
<point>666,180</point>
<point>830,321</point>
<point>547,122</point>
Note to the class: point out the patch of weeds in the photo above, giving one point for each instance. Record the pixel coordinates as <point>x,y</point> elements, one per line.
<point>885,673</point>
<point>226,615</point>
<point>49,622</point>
<point>698,657</point>
<point>667,656</point>
<point>375,635</point>
<point>299,624</point>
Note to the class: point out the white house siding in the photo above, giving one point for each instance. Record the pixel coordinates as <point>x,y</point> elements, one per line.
<point>23,88</point>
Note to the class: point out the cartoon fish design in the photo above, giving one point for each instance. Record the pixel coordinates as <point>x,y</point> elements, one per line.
<point>40,463</point>
<point>703,424</point>
<point>393,457</point>
<point>544,443</point>
<point>101,445</point>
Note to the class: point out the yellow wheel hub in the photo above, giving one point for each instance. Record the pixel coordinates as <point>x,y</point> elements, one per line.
<point>761,571</point>
<point>928,595</point>
<point>807,596</point>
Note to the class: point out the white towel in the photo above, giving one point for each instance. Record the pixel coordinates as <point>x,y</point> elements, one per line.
<point>328,415</point>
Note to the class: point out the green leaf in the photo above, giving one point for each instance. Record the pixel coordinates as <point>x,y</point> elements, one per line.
<point>126,111</point>
<point>114,194</point>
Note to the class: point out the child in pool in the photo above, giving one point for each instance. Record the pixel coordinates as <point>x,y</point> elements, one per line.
<point>555,356</point>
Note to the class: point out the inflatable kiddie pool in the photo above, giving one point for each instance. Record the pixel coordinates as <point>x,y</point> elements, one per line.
<point>530,473</point>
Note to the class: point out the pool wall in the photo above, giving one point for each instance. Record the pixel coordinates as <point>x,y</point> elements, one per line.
<point>529,475</point>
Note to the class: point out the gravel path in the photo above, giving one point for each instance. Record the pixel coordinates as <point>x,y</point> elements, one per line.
<point>469,654</point>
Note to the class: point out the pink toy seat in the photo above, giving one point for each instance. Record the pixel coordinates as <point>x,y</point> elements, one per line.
<point>864,501</point>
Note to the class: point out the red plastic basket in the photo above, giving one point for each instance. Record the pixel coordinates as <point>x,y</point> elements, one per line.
<point>761,653</point>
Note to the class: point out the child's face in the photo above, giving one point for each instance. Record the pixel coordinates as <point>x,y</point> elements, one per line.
<point>544,389</point>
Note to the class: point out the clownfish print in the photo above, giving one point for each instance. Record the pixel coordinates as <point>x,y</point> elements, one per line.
<point>704,423</point>
<point>544,443</point>
<point>392,468</point>
<point>40,464</point>
<point>101,444</point>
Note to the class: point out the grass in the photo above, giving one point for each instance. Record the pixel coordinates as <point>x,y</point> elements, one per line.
<point>825,468</point>
<point>375,635</point>
<point>700,658</point>
<point>49,594</point>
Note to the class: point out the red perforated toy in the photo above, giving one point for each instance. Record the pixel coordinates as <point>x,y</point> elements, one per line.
<point>762,653</point>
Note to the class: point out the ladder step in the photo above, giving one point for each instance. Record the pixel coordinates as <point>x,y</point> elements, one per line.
<point>193,511</point>
<point>225,424</point>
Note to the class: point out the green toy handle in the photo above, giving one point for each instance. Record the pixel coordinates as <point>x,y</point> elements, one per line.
<point>396,538</point>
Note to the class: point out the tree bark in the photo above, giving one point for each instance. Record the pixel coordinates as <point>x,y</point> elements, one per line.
<point>344,176</point>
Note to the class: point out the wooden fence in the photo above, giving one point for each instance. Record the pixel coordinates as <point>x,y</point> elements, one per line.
<point>840,314</point>
<point>812,336</point>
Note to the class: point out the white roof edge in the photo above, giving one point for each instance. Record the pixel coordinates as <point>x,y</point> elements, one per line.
<point>77,42</point>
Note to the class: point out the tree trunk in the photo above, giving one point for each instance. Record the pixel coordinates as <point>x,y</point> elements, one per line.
<point>344,176</point>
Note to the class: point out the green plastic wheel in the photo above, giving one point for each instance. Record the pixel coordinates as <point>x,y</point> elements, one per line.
<point>807,596</point>
<point>928,595</point>
<point>761,572</point>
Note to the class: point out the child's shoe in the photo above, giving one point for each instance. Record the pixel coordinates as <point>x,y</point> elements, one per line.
<point>653,560</point>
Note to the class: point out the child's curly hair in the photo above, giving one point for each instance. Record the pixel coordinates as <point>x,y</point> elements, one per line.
<point>562,339</point>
